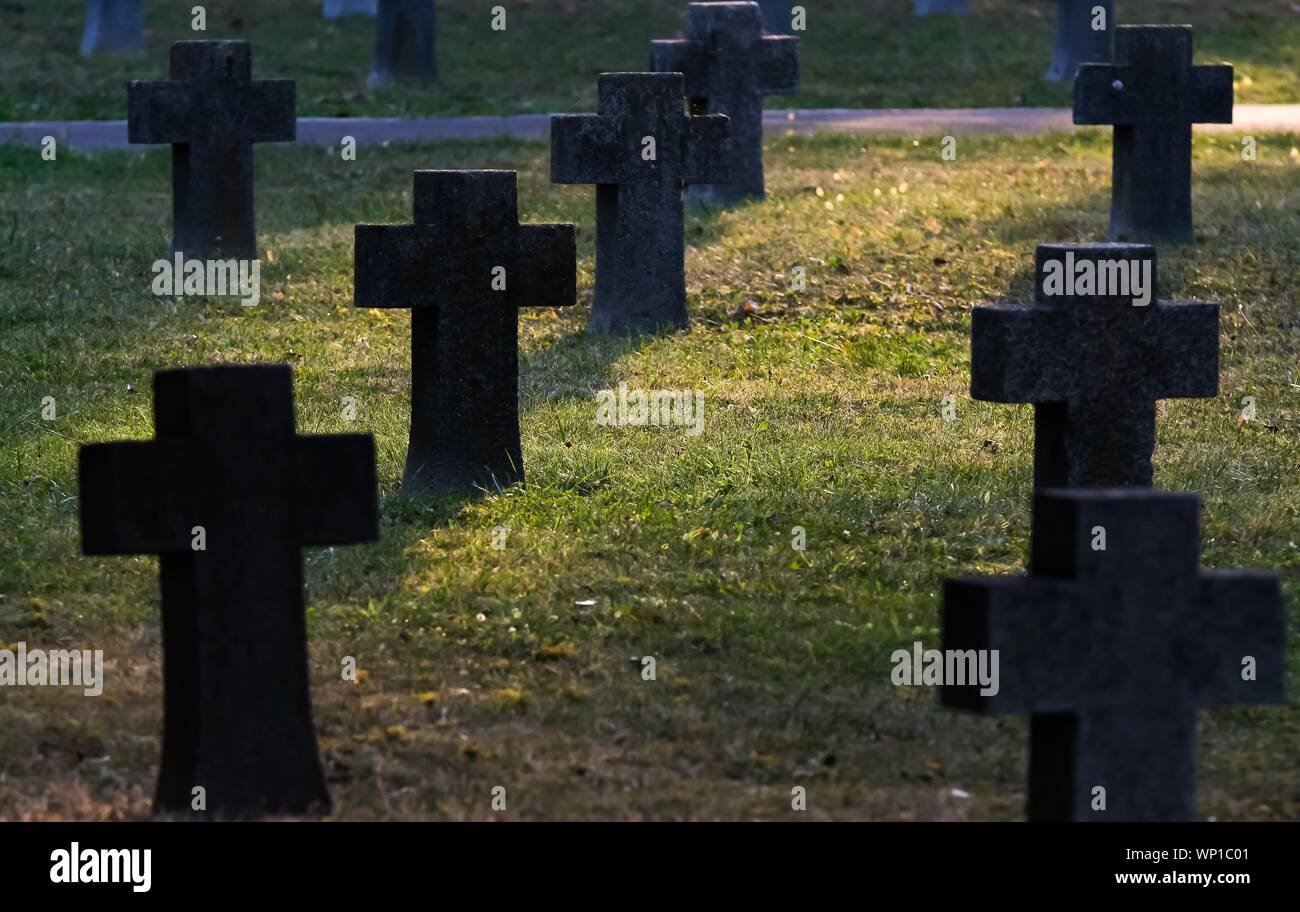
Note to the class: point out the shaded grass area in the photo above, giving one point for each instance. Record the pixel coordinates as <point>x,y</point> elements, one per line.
<point>854,53</point>
<point>521,667</point>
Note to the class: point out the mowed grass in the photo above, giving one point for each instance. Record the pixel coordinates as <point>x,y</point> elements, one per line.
<point>853,53</point>
<point>521,667</point>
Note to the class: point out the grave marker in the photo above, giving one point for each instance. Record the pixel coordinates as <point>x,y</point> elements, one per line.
<point>404,42</point>
<point>226,460</point>
<point>777,16</point>
<point>112,25</point>
<point>640,149</point>
<point>1111,652</point>
<point>1094,365</point>
<point>464,267</point>
<point>1078,40</point>
<point>211,112</point>
<point>729,65</point>
<point>1152,95</point>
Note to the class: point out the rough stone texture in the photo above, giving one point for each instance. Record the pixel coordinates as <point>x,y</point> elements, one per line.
<point>640,245</point>
<point>212,112</point>
<point>1094,368</point>
<point>1111,652</point>
<point>113,25</point>
<point>777,16</point>
<point>942,7</point>
<point>1153,95</point>
<point>1077,42</point>
<point>237,706</point>
<point>404,42</point>
<point>729,65</point>
<point>464,334</point>
<point>334,9</point>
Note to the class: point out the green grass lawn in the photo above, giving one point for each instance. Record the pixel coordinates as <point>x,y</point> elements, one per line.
<point>823,410</point>
<point>854,53</point>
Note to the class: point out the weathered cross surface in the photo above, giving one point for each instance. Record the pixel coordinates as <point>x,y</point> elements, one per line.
<point>113,25</point>
<point>465,267</point>
<point>729,65</point>
<point>212,112</point>
<point>942,7</point>
<point>640,149</point>
<point>777,16</point>
<point>227,495</point>
<point>405,42</point>
<point>1094,364</point>
<point>1153,95</point>
<point>1085,33</point>
<point>1112,649</point>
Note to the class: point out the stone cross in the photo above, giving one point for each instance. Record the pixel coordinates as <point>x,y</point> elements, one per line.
<point>113,25</point>
<point>640,149</point>
<point>464,267</point>
<point>1153,95</point>
<point>212,112</point>
<point>729,65</point>
<point>1111,644</point>
<point>943,7</point>
<point>404,42</point>
<point>227,495</point>
<point>1094,360</point>
<point>335,9</point>
<point>777,16</point>
<point>1085,32</point>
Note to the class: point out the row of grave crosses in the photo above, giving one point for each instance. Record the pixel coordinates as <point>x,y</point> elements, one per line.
<point>1109,651</point>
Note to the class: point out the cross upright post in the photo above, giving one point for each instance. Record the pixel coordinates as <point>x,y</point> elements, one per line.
<point>227,495</point>
<point>1152,95</point>
<point>464,268</point>
<point>212,112</point>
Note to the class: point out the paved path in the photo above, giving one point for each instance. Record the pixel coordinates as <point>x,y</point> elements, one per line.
<point>327,131</point>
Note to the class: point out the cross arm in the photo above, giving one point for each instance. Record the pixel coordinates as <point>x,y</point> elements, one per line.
<point>1032,624</point>
<point>547,266</point>
<point>708,150</point>
<point>1212,94</point>
<point>395,266</point>
<point>778,64</point>
<point>1096,99</point>
<point>274,113</point>
<point>586,149</point>
<point>1237,614</point>
<point>156,112</point>
<point>134,497</point>
<point>682,56</point>
<point>1184,357</point>
<point>1020,354</point>
<point>335,489</point>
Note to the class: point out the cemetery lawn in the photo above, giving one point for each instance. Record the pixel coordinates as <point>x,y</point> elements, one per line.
<point>521,667</point>
<point>854,53</point>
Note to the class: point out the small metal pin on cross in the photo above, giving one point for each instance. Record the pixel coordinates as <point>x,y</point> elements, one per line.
<point>1117,85</point>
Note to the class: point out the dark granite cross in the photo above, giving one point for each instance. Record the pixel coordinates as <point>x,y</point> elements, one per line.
<point>1079,39</point>
<point>1094,364</point>
<point>1153,95</point>
<point>640,149</point>
<point>1112,650</point>
<point>729,65</point>
<point>405,42</point>
<point>464,268</point>
<point>212,112</point>
<point>113,25</point>
<point>226,472</point>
